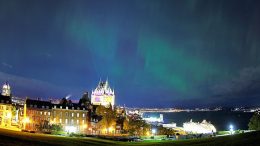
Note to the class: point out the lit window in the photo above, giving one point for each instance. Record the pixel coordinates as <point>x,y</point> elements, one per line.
<point>83,115</point>
<point>54,106</point>
<point>77,114</point>
<point>49,113</point>
<point>60,120</point>
<point>83,121</point>
<point>77,121</point>
<point>44,113</point>
<point>72,114</point>
<point>41,113</point>
<point>66,121</point>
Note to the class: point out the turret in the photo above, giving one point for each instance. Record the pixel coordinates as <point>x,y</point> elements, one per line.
<point>6,90</point>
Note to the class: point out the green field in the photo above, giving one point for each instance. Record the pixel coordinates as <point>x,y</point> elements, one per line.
<point>23,139</point>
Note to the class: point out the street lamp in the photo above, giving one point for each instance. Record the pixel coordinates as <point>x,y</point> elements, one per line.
<point>25,120</point>
<point>153,131</point>
<point>231,129</point>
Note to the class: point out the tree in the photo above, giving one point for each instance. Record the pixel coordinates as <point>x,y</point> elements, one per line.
<point>126,124</point>
<point>13,111</point>
<point>56,127</point>
<point>64,101</point>
<point>137,126</point>
<point>108,118</point>
<point>165,131</point>
<point>84,101</point>
<point>254,123</point>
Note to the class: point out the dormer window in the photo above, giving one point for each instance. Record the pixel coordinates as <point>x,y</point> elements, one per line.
<point>42,106</point>
<point>66,107</point>
<point>35,106</point>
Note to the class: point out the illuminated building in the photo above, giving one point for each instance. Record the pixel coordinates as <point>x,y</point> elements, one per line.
<point>39,115</point>
<point>202,128</point>
<point>72,117</point>
<point>6,90</point>
<point>169,125</point>
<point>6,106</point>
<point>36,115</point>
<point>5,111</point>
<point>154,119</point>
<point>103,95</point>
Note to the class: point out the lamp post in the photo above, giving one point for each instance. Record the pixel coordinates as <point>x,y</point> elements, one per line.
<point>231,129</point>
<point>153,131</point>
<point>25,121</point>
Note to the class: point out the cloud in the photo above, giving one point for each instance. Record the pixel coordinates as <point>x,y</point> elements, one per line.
<point>7,65</point>
<point>245,87</point>
<point>22,86</point>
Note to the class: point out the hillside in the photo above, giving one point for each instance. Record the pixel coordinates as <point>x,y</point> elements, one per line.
<point>13,138</point>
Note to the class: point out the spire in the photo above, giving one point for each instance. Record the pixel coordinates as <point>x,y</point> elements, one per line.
<point>107,81</point>
<point>99,81</point>
<point>106,84</point>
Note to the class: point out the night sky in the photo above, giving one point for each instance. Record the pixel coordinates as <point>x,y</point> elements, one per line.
<point>155,53</point>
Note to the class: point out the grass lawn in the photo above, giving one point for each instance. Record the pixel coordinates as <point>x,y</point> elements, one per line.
<point>14,138</point>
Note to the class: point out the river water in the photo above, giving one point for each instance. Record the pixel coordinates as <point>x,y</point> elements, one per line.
<point>220,119</point>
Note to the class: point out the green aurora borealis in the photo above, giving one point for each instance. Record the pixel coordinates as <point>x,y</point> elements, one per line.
<point>157,52</point>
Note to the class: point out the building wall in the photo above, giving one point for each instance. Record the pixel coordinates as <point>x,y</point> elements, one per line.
<point>104,100</point>
<point>5,115</point>
<point>77,119</point>
<point>38,119</point>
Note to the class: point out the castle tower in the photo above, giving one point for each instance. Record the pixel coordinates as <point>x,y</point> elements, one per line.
<point>6,90</point>
<point>103,95</point>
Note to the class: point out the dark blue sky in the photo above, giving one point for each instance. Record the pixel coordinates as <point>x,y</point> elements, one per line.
<point>155,53</point>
